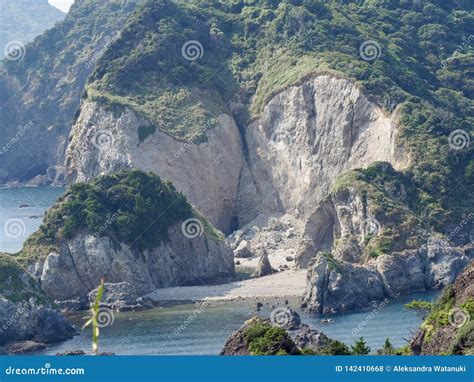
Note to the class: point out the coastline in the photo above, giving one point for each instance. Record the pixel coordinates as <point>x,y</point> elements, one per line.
<point>291,283</point>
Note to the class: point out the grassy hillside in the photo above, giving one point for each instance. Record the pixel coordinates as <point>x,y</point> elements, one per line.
<point>131,207</point>
<point>417,59</point>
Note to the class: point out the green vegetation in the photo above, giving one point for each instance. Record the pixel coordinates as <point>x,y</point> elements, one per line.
<point>463,343</point>
<point>332,262</point>
<point>420,306</point>
<point>335,348</point>
<point>17,284</point>
<point>94,319</point>
<point>391,198</point>
<point>253,49</point>
<point>52,75</point>
<point>360,347</point>
<point>265,339</point>
<point>131,207</point>
<point>441,315</point>
<point>387,349</point>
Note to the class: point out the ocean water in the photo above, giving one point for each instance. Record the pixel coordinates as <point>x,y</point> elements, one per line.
<point>21,213</point>
<point>192,328</point>
<point>197,329</point>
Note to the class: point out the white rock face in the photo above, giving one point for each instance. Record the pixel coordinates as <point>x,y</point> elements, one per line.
<point>306,137</point>
<point>85,259</point>
<point>207,173</point>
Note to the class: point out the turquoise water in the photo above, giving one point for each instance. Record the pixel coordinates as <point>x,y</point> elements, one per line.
<point>16,223</point>
<point>194,329</point>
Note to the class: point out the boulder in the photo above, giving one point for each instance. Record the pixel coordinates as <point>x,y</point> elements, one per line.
<point>307,338</point>
<point>285,318</point>
<point>264,267</point>
<point>243,251</point>
<point>121,297</point>
<point>72,352</point>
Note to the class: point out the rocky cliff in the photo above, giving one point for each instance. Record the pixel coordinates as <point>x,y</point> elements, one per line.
<point>77,267</point>
<point>41,86</point>
<point>449,326</point>
<point>364,243</point>
<point>306,136</point>
<point>26,312</point>
<point>255,109</point>
<point>103,142</point>
<point>138,231</point>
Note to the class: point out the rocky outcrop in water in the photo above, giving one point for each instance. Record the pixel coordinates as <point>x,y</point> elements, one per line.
<point>260,336</point>
<point>334,285</point>
<point>131,229</point>
<point>363,243</point>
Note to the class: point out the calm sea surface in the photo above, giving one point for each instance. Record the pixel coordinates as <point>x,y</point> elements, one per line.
<point>192,328</point>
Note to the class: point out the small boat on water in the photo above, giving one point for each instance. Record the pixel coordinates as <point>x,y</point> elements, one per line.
<point>327,320</point>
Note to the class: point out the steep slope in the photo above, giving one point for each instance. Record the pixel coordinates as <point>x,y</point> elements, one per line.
<point>129,227</point>
<point>41,89</point>
<point>259,106</point>
<point>26,312</point>
<point>365,243</point>
<point>22,20</point>
<point>314,91</point>
<point>449,327</point>
<point>280,76</point>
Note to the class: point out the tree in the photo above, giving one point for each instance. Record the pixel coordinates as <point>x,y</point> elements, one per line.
<point>336,348</point>
<point>387,349</point>
<point>360,347</point>
<point>421,307</point>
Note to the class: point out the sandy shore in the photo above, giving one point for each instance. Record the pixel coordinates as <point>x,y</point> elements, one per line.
<point>290,283</point>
